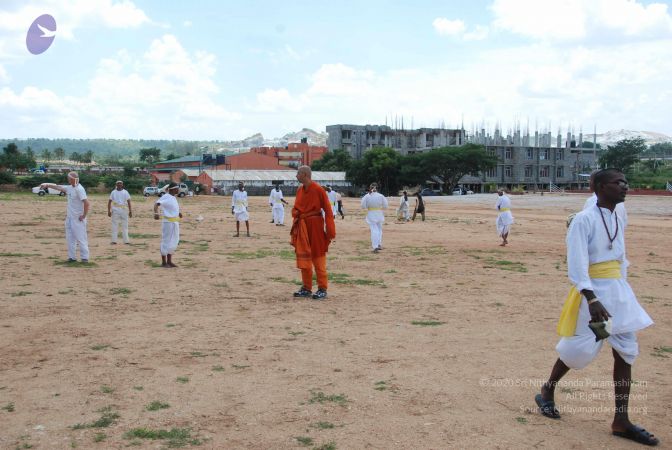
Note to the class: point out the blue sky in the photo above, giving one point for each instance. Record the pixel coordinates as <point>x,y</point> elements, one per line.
<point>226,70</point>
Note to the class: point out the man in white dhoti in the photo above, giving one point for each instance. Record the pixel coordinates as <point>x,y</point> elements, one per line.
<point>170,226</point>
<point>333,200</point>
<point>504,218</point>
<point>600,296</point>
<point>375,203</point>
<point>403,210</point>
<point>276,201</point>
<point>75,219</point>
<point>119,209</point>
<point>239,208</point>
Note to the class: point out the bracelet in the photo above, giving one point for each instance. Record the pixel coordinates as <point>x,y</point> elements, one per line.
<point>590,302</point>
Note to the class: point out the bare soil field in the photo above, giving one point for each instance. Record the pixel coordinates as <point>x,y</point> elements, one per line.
<point>439,341</point>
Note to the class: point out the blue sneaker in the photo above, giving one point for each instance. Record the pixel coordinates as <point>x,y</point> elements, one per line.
<point>303,292</point>
<point>320,294</point>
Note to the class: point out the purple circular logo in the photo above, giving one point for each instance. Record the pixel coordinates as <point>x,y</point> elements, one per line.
<point>41,34</point>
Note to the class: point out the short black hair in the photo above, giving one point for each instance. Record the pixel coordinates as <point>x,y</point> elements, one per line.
<point>604,175</point>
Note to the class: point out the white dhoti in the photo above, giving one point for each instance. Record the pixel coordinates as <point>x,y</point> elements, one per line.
<point>170,237</point>
<point>120,219</point>
<point>278,214</point>
<point>627,317</point>
<point>242,216</point>
<point>375,220</point>
<point>504,222</point>
<point>75,233</point>
<point>578,351</point>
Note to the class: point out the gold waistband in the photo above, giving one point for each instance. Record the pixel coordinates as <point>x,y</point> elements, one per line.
<point>171,219</point>
<point>375,209</point>
<point>504,209</point>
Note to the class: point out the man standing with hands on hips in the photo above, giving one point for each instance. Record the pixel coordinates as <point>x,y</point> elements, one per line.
<point>75,220</point>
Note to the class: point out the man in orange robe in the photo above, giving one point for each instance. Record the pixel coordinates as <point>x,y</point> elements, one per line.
<point>310,236</point>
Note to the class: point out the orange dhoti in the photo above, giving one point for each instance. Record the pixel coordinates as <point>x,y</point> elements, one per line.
<point>311,234</point>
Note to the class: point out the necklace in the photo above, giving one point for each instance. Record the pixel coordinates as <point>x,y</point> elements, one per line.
<point>611,239</point>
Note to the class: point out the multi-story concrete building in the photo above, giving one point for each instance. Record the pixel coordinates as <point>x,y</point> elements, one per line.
<point>535,161</point>
<point>357,139</point>
<point>531,161</point>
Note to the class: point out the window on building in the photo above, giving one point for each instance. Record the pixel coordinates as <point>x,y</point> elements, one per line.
<point>530,153</point>
<point>543,171</point>
<point>528,171</point>
<point>490,150</point>
<point>370,134</point>
<point>543,154</point>
<point>346,134</point>
<point>508,171</point>
<point>507,153</point>
<point>560,154</point>
<point>491,173</point>
<point>560,172</point>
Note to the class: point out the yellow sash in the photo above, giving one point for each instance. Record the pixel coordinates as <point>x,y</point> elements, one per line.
<point>504,209</point>
<point>118,205</point>
<point>570,310</point>
<point>172,219</point>
<point>375,209</point>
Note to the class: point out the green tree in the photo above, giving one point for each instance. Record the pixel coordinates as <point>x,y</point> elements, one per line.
<point>59,153</point>
<point>380,165</point>
<point>76,157</point>
<point>449,164</point>
<point>588,144</point>
<point>87,157</point>
<point>46,155</point>
<point>623,155</point>
<point>413,170</point>
<point>336,161</point>
<point>13,159</point>
<point>661,149</point>
<point>150,155</point>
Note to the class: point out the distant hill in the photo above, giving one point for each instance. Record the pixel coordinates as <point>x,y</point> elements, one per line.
<point>613,136</point>
<point>130,148</point>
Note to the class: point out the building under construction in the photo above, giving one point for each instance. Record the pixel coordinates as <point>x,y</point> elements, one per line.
<point>529,161</point>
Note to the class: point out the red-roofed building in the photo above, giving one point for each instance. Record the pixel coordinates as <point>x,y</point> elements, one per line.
<point>294,155</point>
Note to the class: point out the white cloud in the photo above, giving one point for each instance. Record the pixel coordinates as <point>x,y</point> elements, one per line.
<point>478,34</point>
<point>168,92</point>
<point>187,23</point>
<point>563,86</point>
<point>457,28</point>
<point>446,27</point>
<point>580,19</point>
<point>272,100</point>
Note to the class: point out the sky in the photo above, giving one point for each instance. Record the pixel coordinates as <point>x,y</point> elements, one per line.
<point>224,70</point>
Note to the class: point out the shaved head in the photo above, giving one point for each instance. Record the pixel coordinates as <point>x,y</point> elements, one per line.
<point>73,175</point>
<point>305,170</point>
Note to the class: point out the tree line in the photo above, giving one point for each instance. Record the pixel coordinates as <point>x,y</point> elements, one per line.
<point>392,171</point>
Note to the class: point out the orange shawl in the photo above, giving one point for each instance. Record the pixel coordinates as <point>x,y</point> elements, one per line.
<point>309,235</point>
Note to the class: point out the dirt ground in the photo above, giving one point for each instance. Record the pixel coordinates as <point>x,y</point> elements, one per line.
<point>440,341</point>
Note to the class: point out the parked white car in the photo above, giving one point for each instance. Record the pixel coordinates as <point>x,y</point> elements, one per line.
<point>41,192</point>
<point>152,190</point>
